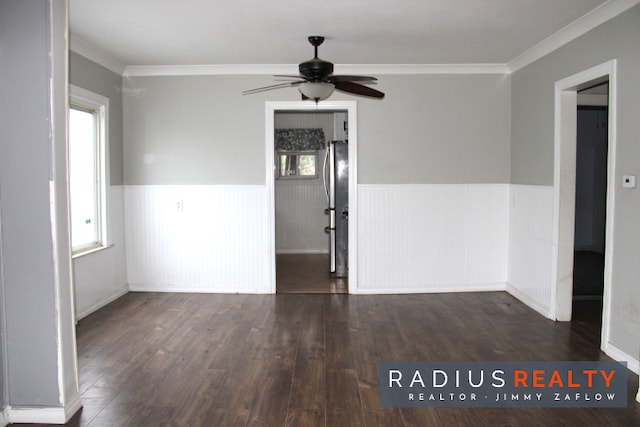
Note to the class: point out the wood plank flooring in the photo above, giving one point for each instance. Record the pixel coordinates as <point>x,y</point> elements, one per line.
<point>307,274</point>
<point>153,359</point>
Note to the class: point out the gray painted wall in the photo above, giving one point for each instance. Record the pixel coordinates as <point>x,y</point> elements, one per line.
<point>428,129</point>
<point>36,273</point>
<point>532,92</point>
<point>436,129</point>
<point>91,76</point>
<point>532,147</point>
<point>193,130</point>
<point>24,184</point>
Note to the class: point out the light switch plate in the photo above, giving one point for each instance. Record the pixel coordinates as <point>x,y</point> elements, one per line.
<point>629,181</point>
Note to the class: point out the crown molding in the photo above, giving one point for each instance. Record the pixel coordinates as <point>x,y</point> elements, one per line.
<point>577,28</point>
<point>207,69</point>
<point>261,69</point>
<point>405,69</point>
<point>96,54</point>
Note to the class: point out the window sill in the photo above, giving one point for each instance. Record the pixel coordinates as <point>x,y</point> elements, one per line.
<point>89,251</point>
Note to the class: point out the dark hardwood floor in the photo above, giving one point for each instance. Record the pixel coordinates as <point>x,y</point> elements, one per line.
<point>152,359</point>
<point>307,274</point>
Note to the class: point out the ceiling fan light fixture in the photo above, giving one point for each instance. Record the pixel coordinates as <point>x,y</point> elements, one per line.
<point>316,90</point>
<point>317,81</point>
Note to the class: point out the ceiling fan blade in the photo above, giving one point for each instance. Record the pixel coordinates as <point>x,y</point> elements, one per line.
<point>285,76</point>
<point>351,79</point>
<point>265,88</point>
<point>358,89</point>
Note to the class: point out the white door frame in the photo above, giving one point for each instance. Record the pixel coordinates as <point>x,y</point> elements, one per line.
<point>351,108</point>
<point>564,191</point>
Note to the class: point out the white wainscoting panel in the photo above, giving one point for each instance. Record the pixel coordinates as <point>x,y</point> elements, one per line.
<point>196,238</point>
<point>411,238</point>
<point>432,238</point>
<point>531,245</point>
<point>300,217</point>
<point>100,277</point>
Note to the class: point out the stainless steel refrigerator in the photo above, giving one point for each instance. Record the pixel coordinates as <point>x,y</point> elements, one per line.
<point>336,185</point>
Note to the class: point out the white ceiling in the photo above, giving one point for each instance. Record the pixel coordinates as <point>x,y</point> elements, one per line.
<point>171,32</point>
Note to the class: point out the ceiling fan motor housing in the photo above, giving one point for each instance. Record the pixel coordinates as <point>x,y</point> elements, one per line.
<point>316,69</point>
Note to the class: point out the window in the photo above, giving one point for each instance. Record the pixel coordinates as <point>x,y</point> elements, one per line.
<point>297,164</point>
<point>87,169</point>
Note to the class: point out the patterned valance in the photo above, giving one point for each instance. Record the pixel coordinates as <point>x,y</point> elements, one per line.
<point>299,139</point>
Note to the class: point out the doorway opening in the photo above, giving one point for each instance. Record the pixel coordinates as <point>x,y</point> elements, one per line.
<point>580,223</point>
<point>311,205</point>
<point>590,208</point>
<point>312,223</point>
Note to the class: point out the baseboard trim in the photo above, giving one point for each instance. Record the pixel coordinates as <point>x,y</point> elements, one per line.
<point>530,302</point>
<point>430,289</point>
<point>73,406</point>
<point>615,353</point>
<point>187,290</point>
<point>633,364</point>
<point>43,415</point>
<point>36,415</point>
<point>301,251</point>
<point>102,302</point>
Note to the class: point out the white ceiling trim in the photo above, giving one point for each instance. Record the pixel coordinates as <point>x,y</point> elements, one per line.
<point>249,69</point>
<point>597,16</point>
<point>422,68</point>
<point>96,55</point>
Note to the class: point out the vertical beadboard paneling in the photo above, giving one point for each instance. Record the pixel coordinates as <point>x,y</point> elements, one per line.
<point>215,243</point>
<point>300,217</point>
<point>411,238</point>
<point>531,245</point>
<point>100,277</point>
<point>487,221</point>
<point>432,238</point>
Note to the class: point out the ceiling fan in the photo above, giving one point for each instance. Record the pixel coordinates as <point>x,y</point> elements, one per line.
<point>317,81</point>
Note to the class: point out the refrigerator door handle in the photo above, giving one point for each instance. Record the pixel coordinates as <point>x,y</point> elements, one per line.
<point>324,173</point>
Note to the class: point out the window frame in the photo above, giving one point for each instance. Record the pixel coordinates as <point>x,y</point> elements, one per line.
<point>296,153</point>
<point>86,100</point>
